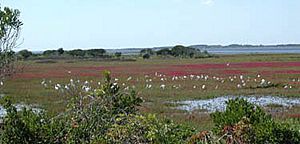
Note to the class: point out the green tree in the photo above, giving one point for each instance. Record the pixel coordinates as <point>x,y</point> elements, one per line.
<point>182,51</point>
<point>164,52</point>
<point>147,51</point>
<point>77,53</point>
<point>118,54</point>
<point>60,51</point>
<point>96,52</point>
<point>50,52</point>
<point>25,53</point>
<point>10,27</point>
<point>146,56</point>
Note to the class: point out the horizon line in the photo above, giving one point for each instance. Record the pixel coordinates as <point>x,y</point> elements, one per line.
<point>161,46</point>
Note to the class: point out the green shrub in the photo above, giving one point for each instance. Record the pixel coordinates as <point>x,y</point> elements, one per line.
<point>90,116</point>
<point>235,111</point>
<point>24,126</point>
<point>147,129</point>
<point>146,56</point>
<point>248,123</point>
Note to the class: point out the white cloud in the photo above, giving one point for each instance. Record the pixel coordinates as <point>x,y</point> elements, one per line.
<point>208,2</point>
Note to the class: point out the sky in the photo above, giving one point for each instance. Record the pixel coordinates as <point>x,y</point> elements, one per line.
<point>51,24</point>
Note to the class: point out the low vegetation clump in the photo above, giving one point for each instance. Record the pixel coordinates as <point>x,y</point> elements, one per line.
<point>243,122</point>
<point>108,114</point>
<point>147,129</point>
<point>183,52</point>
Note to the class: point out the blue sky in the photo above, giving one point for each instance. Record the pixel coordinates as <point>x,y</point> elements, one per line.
<point>50,24</point>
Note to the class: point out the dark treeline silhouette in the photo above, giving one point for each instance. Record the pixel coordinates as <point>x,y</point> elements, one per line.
<point>176,51</point>
<point>61,53</point>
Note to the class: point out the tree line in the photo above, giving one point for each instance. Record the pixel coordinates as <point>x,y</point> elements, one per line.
<point>176,51</point>
<point>76,53</point>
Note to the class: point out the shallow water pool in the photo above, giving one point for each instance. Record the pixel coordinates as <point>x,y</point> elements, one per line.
<point>219,103</point>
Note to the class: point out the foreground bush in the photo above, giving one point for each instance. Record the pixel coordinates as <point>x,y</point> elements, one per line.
<point>243,122</point>
<point>147,129</point>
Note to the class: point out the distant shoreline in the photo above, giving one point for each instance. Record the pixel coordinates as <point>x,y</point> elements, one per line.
<point>205,47</point>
